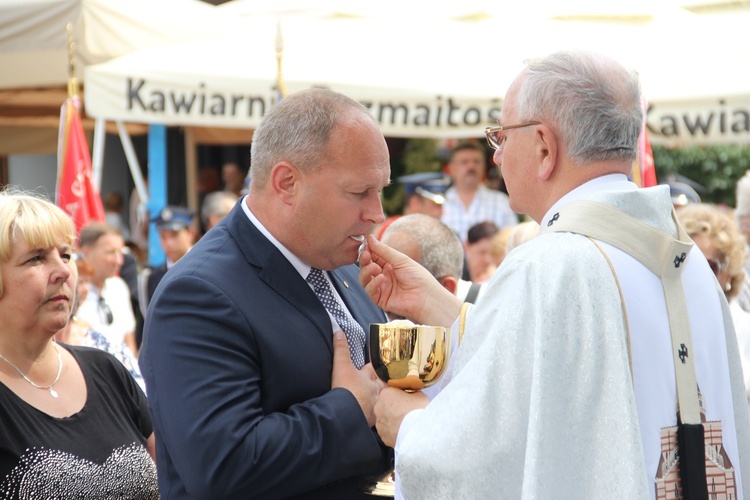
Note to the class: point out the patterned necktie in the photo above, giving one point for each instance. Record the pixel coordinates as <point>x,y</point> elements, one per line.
<point>355,335</point>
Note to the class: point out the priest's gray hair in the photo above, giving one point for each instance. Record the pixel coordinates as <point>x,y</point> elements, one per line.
<point>591,101</point>
<point>297,130</point>
<point>441,252</point>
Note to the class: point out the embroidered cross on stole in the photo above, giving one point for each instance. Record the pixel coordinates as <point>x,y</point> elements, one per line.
<point>692,451</point>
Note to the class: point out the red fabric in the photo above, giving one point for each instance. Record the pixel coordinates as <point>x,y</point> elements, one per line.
<point>646,160</point>
<point>76,194</point>
<point>384,226</point>
<point>644,172</point>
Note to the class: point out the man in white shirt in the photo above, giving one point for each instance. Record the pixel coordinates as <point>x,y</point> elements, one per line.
<point>469,201</point>
<point>107,308</point>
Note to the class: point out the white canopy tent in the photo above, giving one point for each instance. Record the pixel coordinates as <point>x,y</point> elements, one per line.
<point>439,74</point>
<point>34,48</point>
<point>35,55</point>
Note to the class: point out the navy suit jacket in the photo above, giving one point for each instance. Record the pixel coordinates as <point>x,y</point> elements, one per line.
<point>154,278</point>
<point>237,358</point>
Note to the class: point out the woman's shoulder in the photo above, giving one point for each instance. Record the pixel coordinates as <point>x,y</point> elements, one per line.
<point>86,352</point>
<point>106,373</point>
<point>94,359</point>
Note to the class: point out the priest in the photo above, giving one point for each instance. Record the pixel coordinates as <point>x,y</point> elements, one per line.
<point>597,347</point>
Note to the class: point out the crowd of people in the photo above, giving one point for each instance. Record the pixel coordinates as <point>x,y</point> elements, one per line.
<point>599,331</point>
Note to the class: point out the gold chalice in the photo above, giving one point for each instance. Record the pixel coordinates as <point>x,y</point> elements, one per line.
<point>409,357</point>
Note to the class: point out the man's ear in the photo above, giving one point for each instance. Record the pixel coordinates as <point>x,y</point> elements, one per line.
<point>546,151</point>
<point>284,179</point>
<point>449,283</point>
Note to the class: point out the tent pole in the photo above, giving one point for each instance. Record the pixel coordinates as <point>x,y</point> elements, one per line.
<point>98,156</point>
<point>135,167</point>
<point>191,171</point>
<point>157,184</point>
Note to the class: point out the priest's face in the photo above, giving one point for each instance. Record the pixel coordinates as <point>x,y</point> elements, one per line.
<point>515,157</point>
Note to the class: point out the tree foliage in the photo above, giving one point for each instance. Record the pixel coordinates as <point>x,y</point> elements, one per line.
<point>416,155</point>
<point>716,168</point>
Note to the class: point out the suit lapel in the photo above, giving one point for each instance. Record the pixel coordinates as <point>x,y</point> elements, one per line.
<point>277,272</point>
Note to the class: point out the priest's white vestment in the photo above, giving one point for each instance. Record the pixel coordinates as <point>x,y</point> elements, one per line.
<point>542,403</point>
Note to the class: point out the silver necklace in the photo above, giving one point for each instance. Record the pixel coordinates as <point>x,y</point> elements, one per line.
<point>49,388</point>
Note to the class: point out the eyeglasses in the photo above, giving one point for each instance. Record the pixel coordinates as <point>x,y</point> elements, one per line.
<point>496,137</point>
<point>717,266</point>
<point>104,308</point>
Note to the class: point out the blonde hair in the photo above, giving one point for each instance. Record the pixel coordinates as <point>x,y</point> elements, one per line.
<point>27,215</point>
<point>520,234</point>
<point>499,242</point>
<point>702,219</point>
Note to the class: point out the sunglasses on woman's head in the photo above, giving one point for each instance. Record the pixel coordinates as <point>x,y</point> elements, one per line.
<point>717,266</point>
<point>105,309</point>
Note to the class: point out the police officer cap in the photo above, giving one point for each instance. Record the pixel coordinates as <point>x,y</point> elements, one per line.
<point>173,218</point>
<point>682,193</point>
<point>430,185</point>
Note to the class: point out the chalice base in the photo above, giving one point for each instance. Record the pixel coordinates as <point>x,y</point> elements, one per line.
<point>386,487</point>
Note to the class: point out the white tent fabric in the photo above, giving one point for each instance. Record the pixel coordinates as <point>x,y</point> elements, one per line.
<point>33,41</point>
<point>35,56</point>
<point>439,74</point>
<point>34,45</point>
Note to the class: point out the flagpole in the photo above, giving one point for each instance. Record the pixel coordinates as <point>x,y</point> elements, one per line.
<point>62,139</point>
<point>280,86</point>
<point>72,80</point>
<point>75,192</point>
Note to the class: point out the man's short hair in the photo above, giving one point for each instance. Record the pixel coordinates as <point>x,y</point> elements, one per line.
<point>214,204</point>
<point>441,252</point>
<point>297,130</point>
<point>91,233</point>
<point>468,146</point>
<point>591,101</point>
<point>481,231</point>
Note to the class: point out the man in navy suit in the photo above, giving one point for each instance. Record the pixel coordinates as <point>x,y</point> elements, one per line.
<point>252,394</point>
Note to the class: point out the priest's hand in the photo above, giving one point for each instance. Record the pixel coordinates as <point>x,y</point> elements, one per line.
<point>364,383</point>
<point>392,407</point>
<point>397,284</point>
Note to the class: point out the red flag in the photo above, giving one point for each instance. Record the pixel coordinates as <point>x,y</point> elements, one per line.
<point>644,172</point>
<point>76,194</point>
